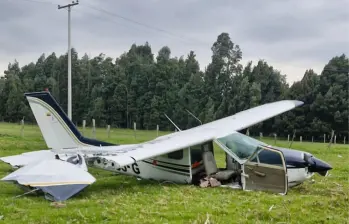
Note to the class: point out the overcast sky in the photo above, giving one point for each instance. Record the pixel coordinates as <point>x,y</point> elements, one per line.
<point>291,35</point>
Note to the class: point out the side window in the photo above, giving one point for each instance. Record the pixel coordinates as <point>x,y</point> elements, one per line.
<point>176,155</point>
<point>195,154</point>
<point>270,157</point>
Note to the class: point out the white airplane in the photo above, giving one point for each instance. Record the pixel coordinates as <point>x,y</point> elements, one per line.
<point>182,157</point>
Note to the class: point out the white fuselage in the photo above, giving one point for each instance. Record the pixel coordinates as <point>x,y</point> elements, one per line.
<point>162,168</point>
<point>297,176</point>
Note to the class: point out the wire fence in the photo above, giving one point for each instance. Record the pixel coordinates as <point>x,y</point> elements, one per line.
<point>107,133</point>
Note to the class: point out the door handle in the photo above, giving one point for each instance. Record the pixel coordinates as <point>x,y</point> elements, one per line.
<point>259,173</point>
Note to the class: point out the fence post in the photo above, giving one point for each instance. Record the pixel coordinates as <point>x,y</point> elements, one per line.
<point>134,129</point>
<point>260,135</point>
<point>22,128</point>
<point>288,138</point>
<point>83,126</point>
<point>108,131</point>
<point>157,130</point>
<point>330,143</point>
<point>93,128</point>
<point>275,138</point>
<point>300,138</point>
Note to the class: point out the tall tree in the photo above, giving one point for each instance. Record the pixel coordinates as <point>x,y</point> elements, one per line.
<point>219,75</point>
<point>137,87</point>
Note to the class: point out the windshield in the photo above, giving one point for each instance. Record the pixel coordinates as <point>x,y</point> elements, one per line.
<point>241,145</point>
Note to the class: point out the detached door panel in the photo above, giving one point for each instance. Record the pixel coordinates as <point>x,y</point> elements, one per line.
<point>267,176</point>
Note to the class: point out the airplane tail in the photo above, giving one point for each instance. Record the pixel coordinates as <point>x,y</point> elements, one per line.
<point>57,129</point>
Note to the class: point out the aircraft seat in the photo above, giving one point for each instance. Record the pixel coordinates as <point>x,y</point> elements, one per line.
<point>209,163</point>
<point>212,169</point>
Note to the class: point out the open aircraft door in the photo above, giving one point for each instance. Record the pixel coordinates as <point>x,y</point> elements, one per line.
<point>271,176</point>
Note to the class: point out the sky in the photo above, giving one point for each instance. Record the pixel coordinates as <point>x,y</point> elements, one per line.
<point>291,35</point>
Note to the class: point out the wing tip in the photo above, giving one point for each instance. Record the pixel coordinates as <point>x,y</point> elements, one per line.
<point>298,103</point>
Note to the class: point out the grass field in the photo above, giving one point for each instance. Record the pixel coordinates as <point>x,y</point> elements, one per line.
<point>121,199</point>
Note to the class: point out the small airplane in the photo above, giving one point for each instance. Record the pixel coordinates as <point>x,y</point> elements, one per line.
<point>185,157</point>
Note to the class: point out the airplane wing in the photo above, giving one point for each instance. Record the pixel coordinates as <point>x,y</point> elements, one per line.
<point>126,155</point>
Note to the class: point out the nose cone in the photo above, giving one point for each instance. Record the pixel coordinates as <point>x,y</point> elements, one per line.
<point>319,166</point>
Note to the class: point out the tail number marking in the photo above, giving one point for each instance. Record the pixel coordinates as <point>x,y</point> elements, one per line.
<point>134,168</point>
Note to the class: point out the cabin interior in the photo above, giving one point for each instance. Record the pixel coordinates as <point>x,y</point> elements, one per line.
<point>228,175</point>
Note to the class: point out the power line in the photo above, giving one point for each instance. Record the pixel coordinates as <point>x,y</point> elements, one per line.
<point>154,28</point>
<point>115,15</point>
<point>132,21</point>
<point>181,37</point>
<point>104,19</point>
<point>36,1</point>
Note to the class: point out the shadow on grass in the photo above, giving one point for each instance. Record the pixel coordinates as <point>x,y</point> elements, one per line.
<point>112,185</point>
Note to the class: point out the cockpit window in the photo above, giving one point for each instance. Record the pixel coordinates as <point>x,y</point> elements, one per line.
<point>241,145</point>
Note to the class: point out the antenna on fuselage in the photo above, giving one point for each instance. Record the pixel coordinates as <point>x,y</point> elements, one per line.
<point>173,123</point>
<point>194,116</point>
<point>189,113</point>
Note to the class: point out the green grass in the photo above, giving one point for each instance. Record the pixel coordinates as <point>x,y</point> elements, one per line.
<point>122,199</point>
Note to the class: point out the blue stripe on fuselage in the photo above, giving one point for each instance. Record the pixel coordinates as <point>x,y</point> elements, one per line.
<point>293,157</point>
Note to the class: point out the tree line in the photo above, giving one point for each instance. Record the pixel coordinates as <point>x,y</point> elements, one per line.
<point>142,87</point>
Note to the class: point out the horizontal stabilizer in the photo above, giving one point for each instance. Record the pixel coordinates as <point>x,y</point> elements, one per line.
<point>28,157</point>
<point>58,179</point>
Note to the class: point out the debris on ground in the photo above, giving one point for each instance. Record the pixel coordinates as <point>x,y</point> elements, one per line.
<point>209,182</point>
<point>337,184</point>
<point>271,207</point>
<point>57,204</point>
<point>207,219</point>
<point>233,185</point>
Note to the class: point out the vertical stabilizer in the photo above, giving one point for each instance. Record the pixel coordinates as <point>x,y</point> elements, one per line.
<point>57,129</point>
